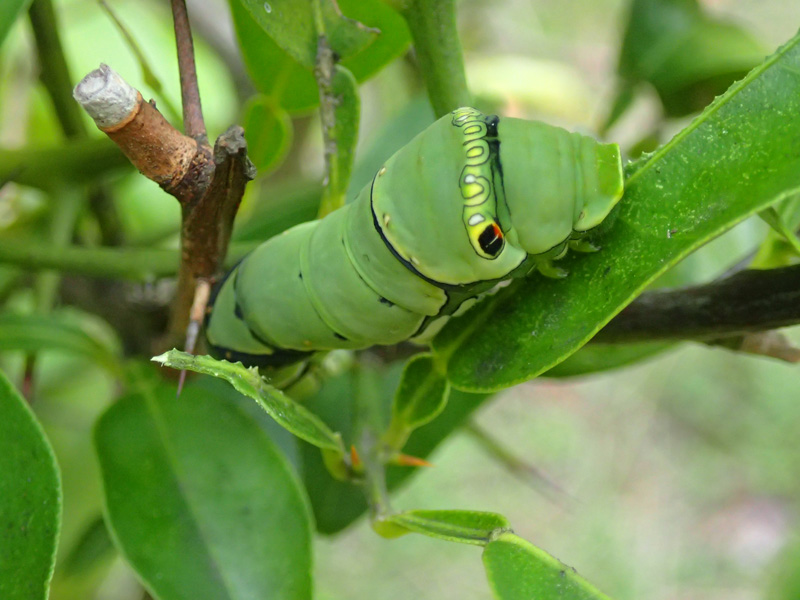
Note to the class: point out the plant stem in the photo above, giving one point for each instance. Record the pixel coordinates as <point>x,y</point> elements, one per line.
<point>55,76</point>
<point>53,70</point>
<point>751,300</point>
<point>135,264</point>
<point>433,27</point>
<point>193,124</point>
<point>63,217</point>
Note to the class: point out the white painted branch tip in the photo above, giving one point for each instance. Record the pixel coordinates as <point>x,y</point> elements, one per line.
<point>107,97</point>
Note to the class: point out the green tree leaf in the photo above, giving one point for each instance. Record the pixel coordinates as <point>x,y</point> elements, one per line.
<point>518,570</point>
<point>9,11</point>
<point>30,501</point>
<point>37,332</point>
<point>463,526</point>
<point>288,413</point>
<point>268,130</point>
<point>420,398</point>
<point>291,85</point>
<point>687,55</point>
<point>595,358</point>
<point>739,156</point>
<point>200,501</point>
<point>293,26</point>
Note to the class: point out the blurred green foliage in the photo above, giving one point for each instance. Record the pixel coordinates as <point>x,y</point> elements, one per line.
<point>674,476</point>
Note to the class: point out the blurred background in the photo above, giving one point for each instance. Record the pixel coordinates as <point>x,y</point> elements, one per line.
<point>676,478</point>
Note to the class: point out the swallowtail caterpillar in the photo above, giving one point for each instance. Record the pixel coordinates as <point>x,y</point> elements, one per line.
<point>471,201</point>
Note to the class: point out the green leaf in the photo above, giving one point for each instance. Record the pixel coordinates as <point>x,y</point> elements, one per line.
<point>518,570</point>
<point>779,249</point>
<point>735,159</point>
<point>37,332</point>
<point>344,135</point>
<point>9,11</point>
<point>688,56</point>
<point>291,85</point>
<point>595,358</point>
<point>30,501</point>
<point>268,130</point>
<point>772,218</point>
<point>393,41</point>
<point>420,398</point>
<point>286,412</point>
<point>463,526</point>
<point>273,72</point>
<point>200,501</point>
<point>293,26</point>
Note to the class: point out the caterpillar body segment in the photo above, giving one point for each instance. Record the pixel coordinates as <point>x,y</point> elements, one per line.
<point>469,202</point>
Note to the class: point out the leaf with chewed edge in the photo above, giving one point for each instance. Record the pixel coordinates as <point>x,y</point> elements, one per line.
<point>287,413</point>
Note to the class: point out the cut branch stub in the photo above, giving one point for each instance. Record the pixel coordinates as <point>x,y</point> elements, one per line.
<point>156,148</point>
<point>209,186</point>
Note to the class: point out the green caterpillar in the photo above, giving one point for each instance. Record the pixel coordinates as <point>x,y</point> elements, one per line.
<point>471,201</point>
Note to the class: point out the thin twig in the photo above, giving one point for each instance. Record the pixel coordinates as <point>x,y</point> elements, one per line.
<point>527,472</point>
<point>193,124</point>
<point>201,295</point>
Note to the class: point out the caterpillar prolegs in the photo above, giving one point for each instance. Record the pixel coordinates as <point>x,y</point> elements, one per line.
<point>473,200</point>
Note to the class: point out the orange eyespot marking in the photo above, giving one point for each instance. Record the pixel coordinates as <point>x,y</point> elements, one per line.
<point>497,231</point>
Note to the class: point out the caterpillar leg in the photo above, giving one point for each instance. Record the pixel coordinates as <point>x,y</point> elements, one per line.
<point>584,246</point>
<point>548,269</point>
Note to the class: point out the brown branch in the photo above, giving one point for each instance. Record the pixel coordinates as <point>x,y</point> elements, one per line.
<point>193,124</point>
<point>207,223</point>
<point>748,301</point>
<point>773,344</point>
